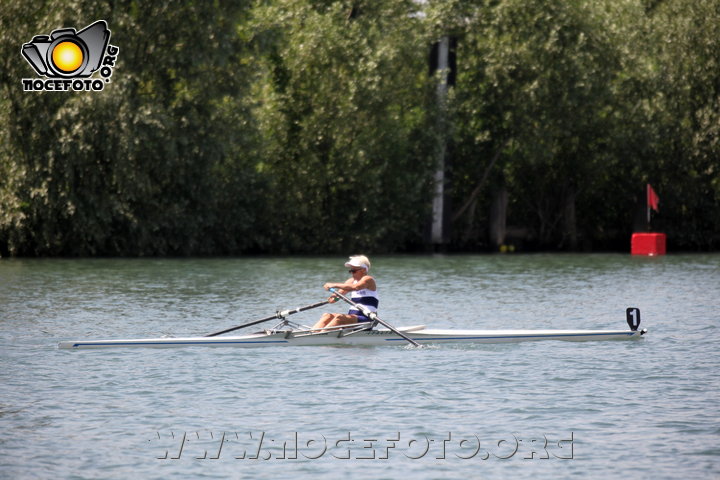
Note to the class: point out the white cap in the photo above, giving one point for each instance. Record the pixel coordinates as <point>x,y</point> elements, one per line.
<point>358,262</point>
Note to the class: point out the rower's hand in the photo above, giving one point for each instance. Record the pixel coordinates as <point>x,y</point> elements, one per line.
<point>333,299</point>
<point>328,286</point>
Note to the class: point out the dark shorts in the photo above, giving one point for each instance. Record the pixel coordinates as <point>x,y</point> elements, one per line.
<point>360,317</point>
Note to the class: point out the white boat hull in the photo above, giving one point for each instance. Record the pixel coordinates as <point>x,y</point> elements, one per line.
<point>419,333</point>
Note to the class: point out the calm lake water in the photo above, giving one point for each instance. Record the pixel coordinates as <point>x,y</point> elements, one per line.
<point>645,409</point>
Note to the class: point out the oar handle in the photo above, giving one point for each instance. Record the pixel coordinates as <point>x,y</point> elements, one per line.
<point>373,316</point>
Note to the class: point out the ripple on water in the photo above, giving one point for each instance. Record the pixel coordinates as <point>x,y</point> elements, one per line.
<point>112,413</point>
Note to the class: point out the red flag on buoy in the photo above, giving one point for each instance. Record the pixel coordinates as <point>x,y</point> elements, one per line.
<point>652,199</point>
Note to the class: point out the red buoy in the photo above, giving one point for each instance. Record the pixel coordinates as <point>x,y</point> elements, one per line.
<point>650,244</point>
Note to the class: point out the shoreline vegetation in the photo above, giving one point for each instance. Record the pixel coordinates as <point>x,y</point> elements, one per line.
<point>320,126</point>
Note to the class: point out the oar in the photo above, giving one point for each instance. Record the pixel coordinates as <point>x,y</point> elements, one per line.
<point>373,316</point>
<point>279,315</point>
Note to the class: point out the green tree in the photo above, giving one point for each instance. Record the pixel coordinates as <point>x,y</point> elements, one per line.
<point>534,91</point>
<point>342,112</point>
<point>311,126</point>
<point>574,106</point>
<point>144,167</point>
<point>685,162</point>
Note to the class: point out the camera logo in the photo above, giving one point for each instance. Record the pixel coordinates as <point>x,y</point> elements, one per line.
<point>68,59</point>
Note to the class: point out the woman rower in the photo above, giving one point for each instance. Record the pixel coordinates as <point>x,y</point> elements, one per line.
<point>364,292</point>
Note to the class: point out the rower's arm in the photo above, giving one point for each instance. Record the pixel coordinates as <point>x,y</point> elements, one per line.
<point>366,282</point>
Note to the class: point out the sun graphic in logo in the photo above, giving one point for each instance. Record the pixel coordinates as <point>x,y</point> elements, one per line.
<point>67,56</point>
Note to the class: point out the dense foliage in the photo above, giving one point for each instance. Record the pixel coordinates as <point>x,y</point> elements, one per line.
<point>313,126</point>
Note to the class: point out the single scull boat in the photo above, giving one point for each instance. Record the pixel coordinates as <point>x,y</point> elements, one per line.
<point>287,333</point>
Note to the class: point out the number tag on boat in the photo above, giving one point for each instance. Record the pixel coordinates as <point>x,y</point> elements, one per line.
<point>633,318</point>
